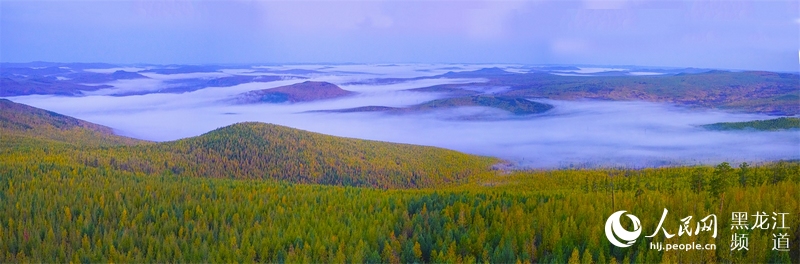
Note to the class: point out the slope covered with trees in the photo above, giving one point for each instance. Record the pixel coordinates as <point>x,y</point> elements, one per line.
<point>299,92</point>
<point>781,123</point>
<point>20,123</point>
<point>58,211</point>
<point>243,151</point>
<point>64,202</point>
<point>20,117</point>
<point>265,151</point>
<point>517,106</point>
<point>514,105</point>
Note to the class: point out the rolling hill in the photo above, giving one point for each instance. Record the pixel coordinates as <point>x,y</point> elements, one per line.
<point>22,122</point>
<point>58,80</point>
<point>515,105</point>
<point>99,78</point>
<point>72,79</point>
<point>750,91</point>
<point>73,203</point>
<point>300,92</point>
<point>21,117</point>
<point>14,86</point>
<point>266,151</point>
<point>243,151</point>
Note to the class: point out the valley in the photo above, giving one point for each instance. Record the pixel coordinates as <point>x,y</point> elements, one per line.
<point>358,131</point>
<point>205,199</point>
<point>505,111</point>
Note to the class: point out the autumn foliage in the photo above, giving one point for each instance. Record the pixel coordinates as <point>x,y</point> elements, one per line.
<point>263,193</point>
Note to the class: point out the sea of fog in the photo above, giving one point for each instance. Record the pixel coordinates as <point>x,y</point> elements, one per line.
<point>574,133</point>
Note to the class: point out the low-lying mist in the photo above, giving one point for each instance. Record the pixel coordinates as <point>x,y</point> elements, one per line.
<point>574,133</point>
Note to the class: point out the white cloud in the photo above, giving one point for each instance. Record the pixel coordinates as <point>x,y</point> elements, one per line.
<point>112,70</point>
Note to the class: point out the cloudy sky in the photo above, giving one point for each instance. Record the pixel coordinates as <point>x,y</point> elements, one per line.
<point>762,34</point>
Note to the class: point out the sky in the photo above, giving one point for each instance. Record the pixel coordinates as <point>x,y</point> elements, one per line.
<point>748,35</point>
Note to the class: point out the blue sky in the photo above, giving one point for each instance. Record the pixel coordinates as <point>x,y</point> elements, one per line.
<point>760,35</point>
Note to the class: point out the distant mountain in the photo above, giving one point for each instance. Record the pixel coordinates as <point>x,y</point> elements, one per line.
<point>370,108</point>
<point>751,91</point>
<point>782,123</point>
<point>32,71</point>
<point>300,92</point>
<point>672,71</point>
<point>43,85</point>
<point>554,68</point>
<point>43,64</point>
<point>56,80</point>
<point>61,81</point>
<point>482,73</point>
<point>289,71</point>
<point>754,91</point>
<point>194,84</point>
<point>96,77</point>
<point>185,69</point>
<point>515,105</point>
<point>22,121</point>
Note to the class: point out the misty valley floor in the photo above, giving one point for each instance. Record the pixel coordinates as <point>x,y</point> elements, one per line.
<point>576,132</point>
<point>255,192</point>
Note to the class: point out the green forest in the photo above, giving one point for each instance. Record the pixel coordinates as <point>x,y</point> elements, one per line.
<point>780,123</point>
<point>255,192</point>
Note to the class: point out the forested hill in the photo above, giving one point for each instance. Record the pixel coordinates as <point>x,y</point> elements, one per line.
<point>751,91</point>
<point>239,151</point>
<point>266,151</point>
<point>781,123</point>
<point>514,105</point>
<point>19,122</point>
<point>15,116</point>
<point>517,106</point>
<point>132,204</point>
